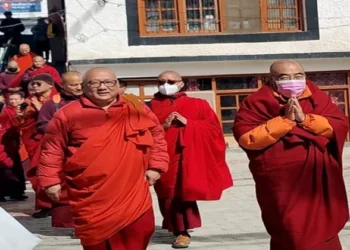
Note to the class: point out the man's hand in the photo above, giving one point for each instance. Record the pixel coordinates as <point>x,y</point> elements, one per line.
<point>19,112</point>
<point>54,192</point>
<point>36,103</point>
<point>289,110</point>
<point>14,89</point>
<point>152,176</point>
<point>180,118</point>
<point>298,111</point>
<point>168,121</point>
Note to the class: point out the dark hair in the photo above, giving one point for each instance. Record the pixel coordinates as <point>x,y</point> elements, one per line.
<point>20,93</point>
<point>122,83</point>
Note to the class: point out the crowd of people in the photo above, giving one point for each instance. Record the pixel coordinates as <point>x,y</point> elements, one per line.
<point>94,152</point>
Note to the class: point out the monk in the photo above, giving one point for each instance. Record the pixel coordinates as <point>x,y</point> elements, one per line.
<point>26,121</point>
<point>39,67</point>
<point>115,150</point>
<point>294,136</point>
<point>25,57</point>
<point>72,90</point>
<point>13,180</point>
<point>196,148</point>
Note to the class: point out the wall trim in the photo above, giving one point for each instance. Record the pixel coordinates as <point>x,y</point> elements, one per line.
<point>134,39</point>
<point>137,60</point>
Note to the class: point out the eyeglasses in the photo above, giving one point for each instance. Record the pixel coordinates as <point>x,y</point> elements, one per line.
<point>294,77</point>
<point>161,82</point>
<point>96,84</point>
<point>36,83</point>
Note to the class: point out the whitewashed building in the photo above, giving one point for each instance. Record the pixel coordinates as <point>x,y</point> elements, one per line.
<point>224,47</point>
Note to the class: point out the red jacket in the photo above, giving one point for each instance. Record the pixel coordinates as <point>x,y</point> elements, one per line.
<point>81,119</point>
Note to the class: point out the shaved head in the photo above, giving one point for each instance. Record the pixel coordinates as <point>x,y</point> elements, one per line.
<point>38,61</point>
<point>24,49</point>
<point>170,73</point>
<point>73,83</point>
<point>12,64</point>
<point>91,73</point>
<point>101,86</point>
<point>281,65</point>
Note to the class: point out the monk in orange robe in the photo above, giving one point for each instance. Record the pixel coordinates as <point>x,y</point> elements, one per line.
<point>294,136</point>
<point>26,118</point>
<point>196,147</point>
<point>24,58</point>
<point>115,150</point>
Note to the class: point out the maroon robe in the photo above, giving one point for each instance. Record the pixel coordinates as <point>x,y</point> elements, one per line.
<point>299,179</point>
<point>197,170</point>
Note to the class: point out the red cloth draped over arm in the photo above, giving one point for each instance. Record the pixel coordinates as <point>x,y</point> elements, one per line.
<point>106,193</point>
<point>200,145</point>
<point>299,182</point>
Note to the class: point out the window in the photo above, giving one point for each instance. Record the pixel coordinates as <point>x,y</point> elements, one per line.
<point>193,17</point>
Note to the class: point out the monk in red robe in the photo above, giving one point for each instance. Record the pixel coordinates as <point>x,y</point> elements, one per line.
<point>24,58</point>
<point>12,180</point>
<point>72,90</point>
<point>39,67</point>
<point>115,150</point>
<point>196,148</point>
<point>294,136</point>
<point>26,118</point>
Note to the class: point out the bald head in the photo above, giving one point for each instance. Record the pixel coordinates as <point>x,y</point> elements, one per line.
<point>100,86</point>
<point>98,71</point>
<point>73,83</point>
<point>24,49</point>
<point>38,61</point>
<point>282,66</point>
<point>12,64</point>
<point>171,73</point>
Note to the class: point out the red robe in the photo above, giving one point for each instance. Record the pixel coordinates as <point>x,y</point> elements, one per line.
<point>197,170</point>
<point>31,140</point>
<point>105,203</point>
<point>23,78</point>
<point>299,179</point>
<point>24,62</point>
<point>14,181</point>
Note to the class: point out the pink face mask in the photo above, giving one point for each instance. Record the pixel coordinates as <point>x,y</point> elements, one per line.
<point>291,88</point>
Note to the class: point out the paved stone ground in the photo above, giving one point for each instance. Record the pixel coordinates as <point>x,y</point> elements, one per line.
<point>231,224</point>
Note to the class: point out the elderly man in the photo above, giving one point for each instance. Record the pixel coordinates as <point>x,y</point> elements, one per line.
<point>39,67</point>
<point>114,151</point>
<point>294,136</point>
<point>26,118</point>
<point>25,57</point>
<point>6,77</point>
<point>71,91</point>
<point>196,148</point>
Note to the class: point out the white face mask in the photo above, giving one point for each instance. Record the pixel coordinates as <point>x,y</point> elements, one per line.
<point>168,89</point>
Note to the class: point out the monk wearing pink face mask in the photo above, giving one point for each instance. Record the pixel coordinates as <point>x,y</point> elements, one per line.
<point>294,135</point>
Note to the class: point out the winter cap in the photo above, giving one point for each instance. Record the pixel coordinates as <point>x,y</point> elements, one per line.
<point>44,77</point>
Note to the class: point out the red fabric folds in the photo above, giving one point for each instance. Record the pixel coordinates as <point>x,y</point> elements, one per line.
<point>299,181</point>
<point>197,169</point>
<point>93,173</point>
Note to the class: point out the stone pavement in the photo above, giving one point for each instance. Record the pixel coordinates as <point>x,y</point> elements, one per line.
<point>231,224</point>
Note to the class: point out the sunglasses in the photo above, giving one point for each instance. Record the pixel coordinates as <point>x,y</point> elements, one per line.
<point>36,83</point>
<point>171,82</point>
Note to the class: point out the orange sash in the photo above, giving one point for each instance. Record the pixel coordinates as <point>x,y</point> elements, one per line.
<point>106,176</point>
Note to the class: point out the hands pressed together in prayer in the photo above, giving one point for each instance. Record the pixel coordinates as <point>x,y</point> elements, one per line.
<point>293,111</point>
<point>54,192</point>
<point>174,116</point>
<point>152,176</point>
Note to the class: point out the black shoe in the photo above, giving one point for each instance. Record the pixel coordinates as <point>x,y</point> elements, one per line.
<point>19,197</point>
<point>43,213</point>
<point>2,199</point>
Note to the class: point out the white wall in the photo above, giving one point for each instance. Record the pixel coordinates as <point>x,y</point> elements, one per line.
<point>97,32</point>
<point>140,70</point>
